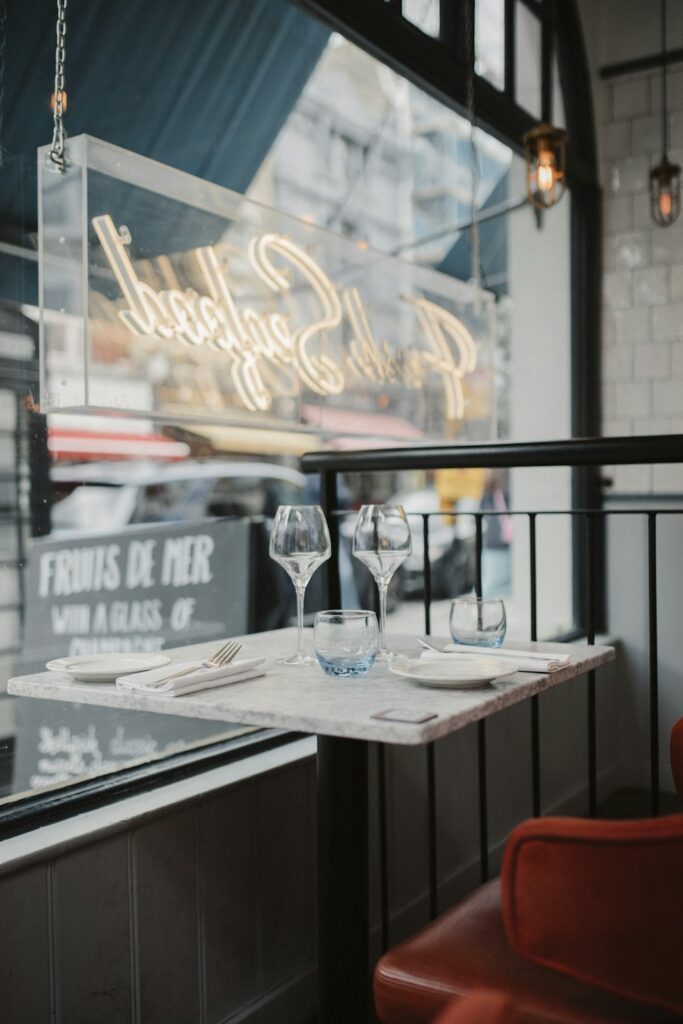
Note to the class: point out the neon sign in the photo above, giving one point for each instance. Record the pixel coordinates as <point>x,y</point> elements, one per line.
<point>265,314</point>
<point>248,337</point>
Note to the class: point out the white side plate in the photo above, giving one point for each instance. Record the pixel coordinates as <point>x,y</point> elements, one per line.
<point>106,668</point>
<point>464,673</point>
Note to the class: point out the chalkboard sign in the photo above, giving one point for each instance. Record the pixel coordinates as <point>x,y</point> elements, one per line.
<point>139,590</point>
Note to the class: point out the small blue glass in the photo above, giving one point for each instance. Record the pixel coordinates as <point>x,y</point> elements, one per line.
<point>478,622</point>
<point>346,642</point>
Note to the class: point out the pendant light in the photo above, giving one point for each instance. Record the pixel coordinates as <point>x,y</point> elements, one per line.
<point>545,148</point>
<point>665,178</point>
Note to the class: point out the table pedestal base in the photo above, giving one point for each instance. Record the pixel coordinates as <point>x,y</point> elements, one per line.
<point>343,948</point>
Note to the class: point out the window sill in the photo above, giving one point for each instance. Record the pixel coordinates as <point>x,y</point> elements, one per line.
<point>47,825</point>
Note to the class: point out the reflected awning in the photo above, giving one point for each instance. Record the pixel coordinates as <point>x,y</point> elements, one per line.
<point>372,426</point>
<point>255,440</point>
<point>85,445</point>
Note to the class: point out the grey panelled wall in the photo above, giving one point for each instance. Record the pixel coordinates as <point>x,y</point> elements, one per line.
<point>195,915</point>
<point>206,913</point>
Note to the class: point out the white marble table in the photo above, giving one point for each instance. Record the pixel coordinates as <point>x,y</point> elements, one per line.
<point>339,712</point>
<point>307,700</point>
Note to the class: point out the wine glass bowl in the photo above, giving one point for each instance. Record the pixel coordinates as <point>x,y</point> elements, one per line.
<point>382,541</point>
<point>300,543</point>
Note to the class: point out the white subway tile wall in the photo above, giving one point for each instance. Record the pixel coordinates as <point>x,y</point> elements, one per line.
<point>642,328</point>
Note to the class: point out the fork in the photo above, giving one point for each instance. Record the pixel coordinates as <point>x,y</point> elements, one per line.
<point>219,659</point>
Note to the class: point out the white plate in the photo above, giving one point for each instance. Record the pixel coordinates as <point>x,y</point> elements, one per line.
<point>106,668</point>
<point>463,673</point>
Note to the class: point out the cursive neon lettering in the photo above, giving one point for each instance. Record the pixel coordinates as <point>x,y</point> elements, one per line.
<point>268,351</point>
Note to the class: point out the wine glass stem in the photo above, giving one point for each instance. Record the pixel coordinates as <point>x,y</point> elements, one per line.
<point>300,591</point>
<point>382,588</point>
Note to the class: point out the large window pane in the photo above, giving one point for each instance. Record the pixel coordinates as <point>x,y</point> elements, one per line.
<point>414,185</point>
<point>489,41</point>
<point>424,14</point>
<point>559,118</point>
<point>527,60</point>
<point>313,125</point>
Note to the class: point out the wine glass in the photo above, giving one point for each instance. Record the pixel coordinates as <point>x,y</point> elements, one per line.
<point>300,543</point>
<point>382,541</point>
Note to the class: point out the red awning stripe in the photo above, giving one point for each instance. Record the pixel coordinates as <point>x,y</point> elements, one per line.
<point>75,444</point>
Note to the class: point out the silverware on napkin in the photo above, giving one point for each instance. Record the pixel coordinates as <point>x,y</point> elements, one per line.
<point>191,678</point>
<point>219,659</point>
<point>529,661</point>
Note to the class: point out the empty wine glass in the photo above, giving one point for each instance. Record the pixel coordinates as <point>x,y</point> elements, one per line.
<point>300,543</point>
<point>382,541</point>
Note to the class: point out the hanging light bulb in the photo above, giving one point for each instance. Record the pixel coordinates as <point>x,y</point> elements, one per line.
<point>545,165</point>
<point>665,178</point>
<point>665,192</point>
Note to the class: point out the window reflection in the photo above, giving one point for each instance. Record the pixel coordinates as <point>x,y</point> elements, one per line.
<point>527,60</point>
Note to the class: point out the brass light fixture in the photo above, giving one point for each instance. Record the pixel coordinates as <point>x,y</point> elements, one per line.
<point>545,148</point>
<point>665,178</point>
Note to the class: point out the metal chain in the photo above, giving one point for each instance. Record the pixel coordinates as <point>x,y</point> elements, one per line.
<point>474,156</point>
<point>59,134</point>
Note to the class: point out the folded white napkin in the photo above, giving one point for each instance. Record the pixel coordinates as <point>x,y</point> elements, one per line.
<point>528,661</point>
<point>199,679</point>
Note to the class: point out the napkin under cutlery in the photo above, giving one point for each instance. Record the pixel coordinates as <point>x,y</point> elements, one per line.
<point>158,680</point>
<point>528,661</point>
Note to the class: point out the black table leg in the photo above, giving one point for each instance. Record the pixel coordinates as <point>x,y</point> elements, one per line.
<point>343,949</point>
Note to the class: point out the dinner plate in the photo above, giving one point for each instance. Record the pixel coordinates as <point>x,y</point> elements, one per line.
<point>106,668</point>
<point>463,673</point>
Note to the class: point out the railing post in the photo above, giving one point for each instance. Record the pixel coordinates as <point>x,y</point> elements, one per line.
<point>432,828</point>
<point>535,710</point>
<point>654,660</point>
<point>427,569</point>
<point>590,637</point>
<point>328,501</point>
<point>430,750</point>
<point>382,815</point>
<point>481,724</point>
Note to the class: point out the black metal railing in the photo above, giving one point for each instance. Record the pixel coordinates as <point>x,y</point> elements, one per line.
<point>589,455</point>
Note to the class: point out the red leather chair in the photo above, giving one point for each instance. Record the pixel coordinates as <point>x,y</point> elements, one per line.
<point>585,924</point>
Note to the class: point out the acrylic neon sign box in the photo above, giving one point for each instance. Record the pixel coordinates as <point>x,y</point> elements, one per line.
<point>169,297</point>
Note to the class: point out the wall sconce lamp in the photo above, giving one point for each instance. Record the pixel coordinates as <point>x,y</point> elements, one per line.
<point>545,148</point>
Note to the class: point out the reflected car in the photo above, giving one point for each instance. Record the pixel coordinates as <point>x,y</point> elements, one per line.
<point>103,497</point>
<point>108,497</point>
<point>451,546</point>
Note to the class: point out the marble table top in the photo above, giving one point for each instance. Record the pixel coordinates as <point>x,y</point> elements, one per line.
<point>309,701</point>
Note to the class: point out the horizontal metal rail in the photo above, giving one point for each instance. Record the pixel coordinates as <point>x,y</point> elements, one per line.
<point>661,448</point>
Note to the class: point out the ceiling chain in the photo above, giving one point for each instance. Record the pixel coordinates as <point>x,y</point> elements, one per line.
<point>59,134</point>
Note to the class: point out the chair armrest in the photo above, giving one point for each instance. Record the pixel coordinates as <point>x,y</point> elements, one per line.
<point>601,901</point>
<point>677,755</point>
